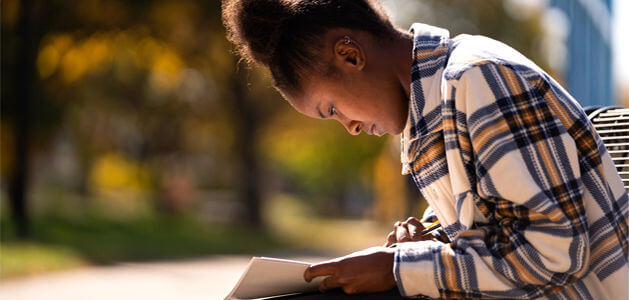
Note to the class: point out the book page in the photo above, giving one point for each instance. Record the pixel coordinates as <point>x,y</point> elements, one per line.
<point>266,277</point>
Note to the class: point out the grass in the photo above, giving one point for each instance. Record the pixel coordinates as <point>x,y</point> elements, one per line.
<point>61,243</point>
<point>28,258</point>
<point>294,222</point>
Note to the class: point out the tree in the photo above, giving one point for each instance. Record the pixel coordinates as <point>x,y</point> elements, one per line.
<point>23,71</point>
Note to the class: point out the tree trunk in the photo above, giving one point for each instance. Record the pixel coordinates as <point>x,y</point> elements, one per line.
<point>246,123</point>
<point>24,77</point>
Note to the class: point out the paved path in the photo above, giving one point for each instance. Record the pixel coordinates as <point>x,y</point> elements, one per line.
<point>210,278</point>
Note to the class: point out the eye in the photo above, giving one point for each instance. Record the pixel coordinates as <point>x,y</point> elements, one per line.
<point>332,111</point>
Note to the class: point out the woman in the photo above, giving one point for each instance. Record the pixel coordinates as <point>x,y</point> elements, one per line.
<point>509,163</point>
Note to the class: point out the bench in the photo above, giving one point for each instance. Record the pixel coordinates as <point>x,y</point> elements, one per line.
<point>612,124</point>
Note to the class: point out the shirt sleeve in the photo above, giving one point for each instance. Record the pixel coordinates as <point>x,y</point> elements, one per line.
<point>430,217</point>
<point>528,178</point>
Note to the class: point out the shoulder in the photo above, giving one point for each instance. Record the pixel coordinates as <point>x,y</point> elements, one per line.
<point>481,70</point>
<point>470,54</point>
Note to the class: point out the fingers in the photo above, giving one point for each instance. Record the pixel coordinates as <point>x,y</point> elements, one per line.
<point>391,239</point>
<point>321,269</point>
<point>413,232</point>
<point>360,272</point>
<point>401,234</point>
<point>407,231</point>
<point>330,282</point>
<point>415,229</point>
<point>348,289</point>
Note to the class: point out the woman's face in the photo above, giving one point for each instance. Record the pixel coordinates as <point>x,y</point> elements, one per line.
<point>360,104</point>
<point>364,94</point>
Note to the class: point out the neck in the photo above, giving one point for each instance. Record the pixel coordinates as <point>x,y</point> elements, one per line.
<point>401,51</point>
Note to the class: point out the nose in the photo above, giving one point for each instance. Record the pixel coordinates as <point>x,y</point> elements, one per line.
<point>353,127</point>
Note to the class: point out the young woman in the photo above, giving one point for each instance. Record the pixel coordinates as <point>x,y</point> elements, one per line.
<point>509,163</point>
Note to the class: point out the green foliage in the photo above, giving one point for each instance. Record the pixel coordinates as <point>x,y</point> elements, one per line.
<point>28,258</point>
<point>65,242</point>
<point>319,157</point>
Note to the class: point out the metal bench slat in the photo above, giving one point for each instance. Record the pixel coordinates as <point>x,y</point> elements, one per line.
<point>615,112</point>
<point>610,125</point>
<point>616,144</point>
<point>618,151</point>
<point>613,130</point>
<point>611,119</point>
<point>615,137</point>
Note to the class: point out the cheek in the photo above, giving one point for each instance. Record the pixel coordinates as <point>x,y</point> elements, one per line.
<point>386,99</point>
<point>369,99</point>
<point>392,110</point>
<point>369,94</point>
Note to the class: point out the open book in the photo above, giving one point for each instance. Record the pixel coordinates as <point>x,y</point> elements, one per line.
<point>267,277</point>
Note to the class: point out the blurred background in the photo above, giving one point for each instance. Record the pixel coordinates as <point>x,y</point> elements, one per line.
<point>139,156</point>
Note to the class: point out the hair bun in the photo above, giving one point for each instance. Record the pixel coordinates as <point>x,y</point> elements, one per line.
<point>259,23</point>
<point>286,35</point>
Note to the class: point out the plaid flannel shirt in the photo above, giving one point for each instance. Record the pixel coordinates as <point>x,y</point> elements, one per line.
<point>519,179</point>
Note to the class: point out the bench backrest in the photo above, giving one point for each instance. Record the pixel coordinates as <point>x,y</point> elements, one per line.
<point>612,124</point>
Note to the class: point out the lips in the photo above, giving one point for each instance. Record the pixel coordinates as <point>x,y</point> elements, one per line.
<point>374,130</point>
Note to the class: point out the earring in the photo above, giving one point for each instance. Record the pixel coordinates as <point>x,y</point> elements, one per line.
<point>346,40</point>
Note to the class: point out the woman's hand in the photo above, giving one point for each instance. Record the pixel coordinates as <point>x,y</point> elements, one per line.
<point>407,231</point>
<point>366,271</point>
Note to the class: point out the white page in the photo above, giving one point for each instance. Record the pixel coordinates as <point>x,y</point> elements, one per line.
<point>266,277</point>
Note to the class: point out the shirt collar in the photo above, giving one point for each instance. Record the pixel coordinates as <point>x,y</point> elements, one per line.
<point>431,49</point>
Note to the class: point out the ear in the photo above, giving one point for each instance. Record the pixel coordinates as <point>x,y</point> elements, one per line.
<point>349,53</point>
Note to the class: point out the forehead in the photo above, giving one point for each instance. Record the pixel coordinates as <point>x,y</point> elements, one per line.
<point>307,105</point>
<point>311,101</point>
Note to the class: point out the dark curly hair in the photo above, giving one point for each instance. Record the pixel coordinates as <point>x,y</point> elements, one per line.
<point>284,35</point>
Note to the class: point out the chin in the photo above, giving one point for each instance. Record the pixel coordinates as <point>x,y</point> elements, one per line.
<point>397,131</point>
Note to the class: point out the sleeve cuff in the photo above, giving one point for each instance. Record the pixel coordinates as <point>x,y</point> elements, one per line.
<point>440,235</point>
<point>414,268</point>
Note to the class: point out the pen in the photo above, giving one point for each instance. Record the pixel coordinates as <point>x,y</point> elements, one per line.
<point>431,227</point>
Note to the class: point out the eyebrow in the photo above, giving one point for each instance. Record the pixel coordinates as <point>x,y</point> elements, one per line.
<point>319,111</point>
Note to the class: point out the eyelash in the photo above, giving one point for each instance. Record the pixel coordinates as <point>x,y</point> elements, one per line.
<point>332,111</point>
